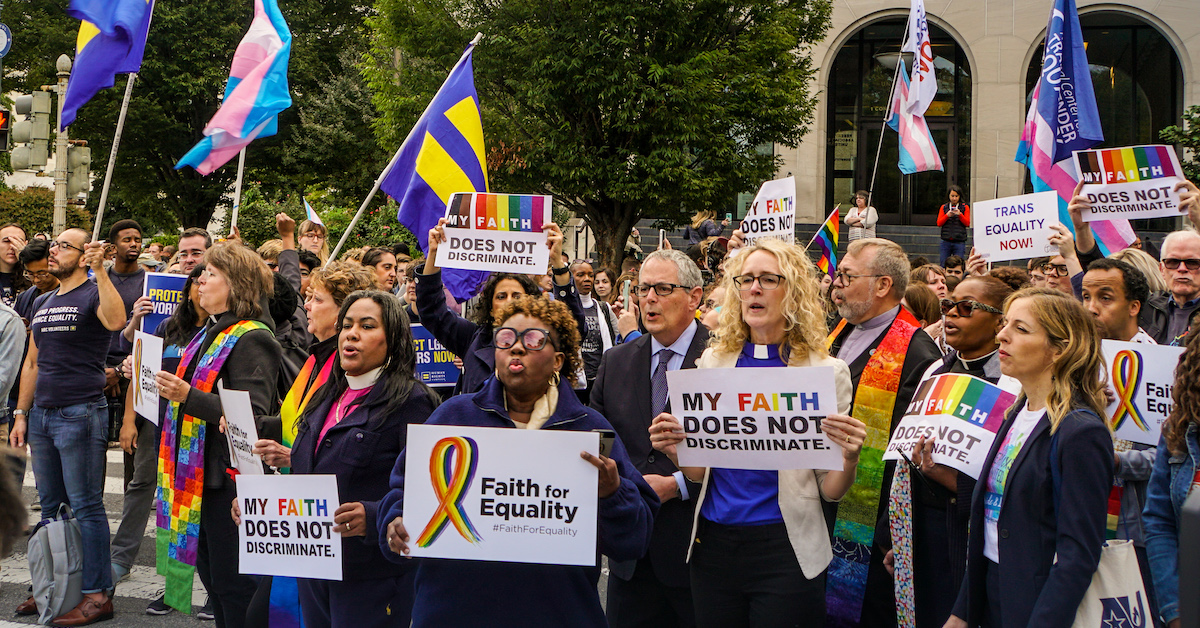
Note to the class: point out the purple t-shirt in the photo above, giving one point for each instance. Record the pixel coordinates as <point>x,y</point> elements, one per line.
<point>72,344</point>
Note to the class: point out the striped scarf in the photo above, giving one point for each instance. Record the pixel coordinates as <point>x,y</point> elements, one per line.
<point>854,531</point>
<point>181,469</point>
<point>301,393</point>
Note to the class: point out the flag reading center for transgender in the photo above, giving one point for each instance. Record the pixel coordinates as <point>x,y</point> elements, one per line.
<point>255,94</point>
<point>442,155</point>
<point>923,82</point>
<point>1062,119</point>
<point>111,41</point>
<point>917,151</point>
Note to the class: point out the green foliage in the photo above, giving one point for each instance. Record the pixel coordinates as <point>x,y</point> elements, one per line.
<point>1187,137</point>
<point>620,108</point>
<point>33,209</point>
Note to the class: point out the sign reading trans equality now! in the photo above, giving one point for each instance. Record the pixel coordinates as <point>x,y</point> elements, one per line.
<point>496,232</point>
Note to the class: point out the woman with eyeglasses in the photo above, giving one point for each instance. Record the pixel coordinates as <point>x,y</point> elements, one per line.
<point>313,239</point>
<point>761,545</point>
<point>941,496</point>
<point>537,356</point>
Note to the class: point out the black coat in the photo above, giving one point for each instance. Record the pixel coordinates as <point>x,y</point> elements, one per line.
<point>1155,317</point>
<point>622,394</point>
<point>360,451</point>
<point>1049,546</point>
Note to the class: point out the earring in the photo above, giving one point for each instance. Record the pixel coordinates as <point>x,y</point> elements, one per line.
<point>555,378</point>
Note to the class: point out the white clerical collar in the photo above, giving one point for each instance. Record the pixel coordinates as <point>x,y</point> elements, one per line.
<point>366,380</point>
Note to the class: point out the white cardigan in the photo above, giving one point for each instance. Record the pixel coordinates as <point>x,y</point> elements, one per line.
<point>800,491</point>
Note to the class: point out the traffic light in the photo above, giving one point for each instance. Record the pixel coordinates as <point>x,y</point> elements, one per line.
<point>33,131</point>
<point>5,121</point>
<point>79,165</point>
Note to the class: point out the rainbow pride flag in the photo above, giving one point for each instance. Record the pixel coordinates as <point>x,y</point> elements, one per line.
<point>1127,164</point>
<point>499,212</point>
<point>827,236</point>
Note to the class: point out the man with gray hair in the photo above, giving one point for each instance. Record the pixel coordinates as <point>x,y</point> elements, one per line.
<point>886,348</point>
<point>630,391</point>
<point>1168,314</point>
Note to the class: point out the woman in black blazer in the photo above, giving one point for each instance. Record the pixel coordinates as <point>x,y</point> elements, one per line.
<point>1038,511</point>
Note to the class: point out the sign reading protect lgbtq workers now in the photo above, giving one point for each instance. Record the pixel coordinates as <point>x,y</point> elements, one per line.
<point>517,496</point>
<point>287,526</point>
<point>1131,182</point>
<point>147,362</point>
<point>773,212</point>
<point>1017,227</point>
<point>496,232</point>
<point>435,363</point>
<point>755,418</point>
<point>1141,377</point>
<point>166,291</point>
<point>961,412</point>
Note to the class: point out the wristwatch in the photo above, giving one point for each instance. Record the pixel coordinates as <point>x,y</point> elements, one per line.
<point>20,412</point>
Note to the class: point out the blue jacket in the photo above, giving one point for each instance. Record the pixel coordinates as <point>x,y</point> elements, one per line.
<point>1034,525</point>
<point>478,593</point>
<point>360,451</point>
<point>1168,489</point>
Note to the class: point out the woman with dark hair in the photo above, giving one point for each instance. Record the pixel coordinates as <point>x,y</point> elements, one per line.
<point>383,262</point>
<point>861,217</point>
<point>472,340</point>
<point>605,285</point>
<point>537,356</point>
<point>237,349</point>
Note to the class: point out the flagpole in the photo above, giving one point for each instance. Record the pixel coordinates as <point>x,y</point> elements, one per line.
<point>112,155</point>
<point>883,129</point>
<point>237,189</point>
<point>818,232</point>
<point>379,180</point>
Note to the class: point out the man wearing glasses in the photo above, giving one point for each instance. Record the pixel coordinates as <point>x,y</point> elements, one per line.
<point>192,245</point>
<point>62,411</point>
<point>1168,315</point>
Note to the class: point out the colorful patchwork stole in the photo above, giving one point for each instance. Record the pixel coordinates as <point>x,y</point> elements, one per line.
<point>300,394</point>
<point>900,525</point>
<point>181,470</point>
<point>854,531</point>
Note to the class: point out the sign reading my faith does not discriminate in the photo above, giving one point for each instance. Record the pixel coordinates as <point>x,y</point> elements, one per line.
<point>496,232</point>
<point>773,212</point>
<point>1130,182</point>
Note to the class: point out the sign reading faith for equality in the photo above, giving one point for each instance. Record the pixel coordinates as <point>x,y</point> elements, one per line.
<point>755,418</point>
<point>287,526</point>
<point>961,413</point>
<point>518,496</point>
<point>240,431</point>
<point>1016,227</point>
<point>435,363</point>
<point>773,212</point>
<point>1131,182</point>
<point>496,232</point>
<point>166,291</point>
<point>1141,376</point>
<point>147,362</point>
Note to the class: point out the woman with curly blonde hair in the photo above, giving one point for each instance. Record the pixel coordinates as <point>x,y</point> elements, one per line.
<point>760,543</point>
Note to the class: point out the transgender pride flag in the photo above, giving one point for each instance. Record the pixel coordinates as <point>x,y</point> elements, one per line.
<point>257,91</point>
<point>917,152</point>
<point>1064,95</point>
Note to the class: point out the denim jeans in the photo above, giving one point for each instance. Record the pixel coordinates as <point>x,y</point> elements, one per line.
<point>949,248</point>
<point>69,447</point>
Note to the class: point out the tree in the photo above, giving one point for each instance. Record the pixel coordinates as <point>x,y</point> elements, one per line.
<point>1187,137</point>
<point>619,108</point>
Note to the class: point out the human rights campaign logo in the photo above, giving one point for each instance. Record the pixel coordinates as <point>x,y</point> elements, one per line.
<point>1118,613</point>
<point>452,465</point>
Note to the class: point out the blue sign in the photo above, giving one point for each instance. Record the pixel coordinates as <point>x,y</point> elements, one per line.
<point>5,40</point>
<point>166,291</point>
<point>435,363</point>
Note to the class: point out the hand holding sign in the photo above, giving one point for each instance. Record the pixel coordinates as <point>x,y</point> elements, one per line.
<point>1189,201</point>
<point>351,519</point>
<point>397,537</point>
<point>846,431</point>
<point>610,480</point>
<point>665,433</point>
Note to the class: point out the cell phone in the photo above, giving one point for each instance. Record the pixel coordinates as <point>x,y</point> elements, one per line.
<point>662,238</point>
<point>729,216</point>
<point>607,438</point>
<point>625,293</point>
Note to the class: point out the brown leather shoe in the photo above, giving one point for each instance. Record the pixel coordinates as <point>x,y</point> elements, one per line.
<point>86,612</point>
<point>28,607</point>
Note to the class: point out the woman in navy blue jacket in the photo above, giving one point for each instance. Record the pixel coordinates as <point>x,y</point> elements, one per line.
<point>537,353</point>
<point>472,340</point>
<point>1038,512</point>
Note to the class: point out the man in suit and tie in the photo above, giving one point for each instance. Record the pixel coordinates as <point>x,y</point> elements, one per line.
<point>630,390</point>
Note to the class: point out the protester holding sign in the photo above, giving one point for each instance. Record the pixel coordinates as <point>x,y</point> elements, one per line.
<point>472,340</point>
<point>536,357</point>
<point>761,546</point>
<point>1037,523</point>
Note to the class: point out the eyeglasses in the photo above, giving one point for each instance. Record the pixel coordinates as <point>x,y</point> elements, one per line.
<point>661,289</point>
<point>846,279</point>
<point>1054,270</point>
<point>1172,264</point>
<point>533,339</point>
<point>57,244</point>
<point>41,274</point>
<point>314,235</point>
<point>967,307</point>
<point>766,281</point>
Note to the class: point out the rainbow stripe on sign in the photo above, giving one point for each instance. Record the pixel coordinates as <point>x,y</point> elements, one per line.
<point>452,465</point>
<point>968,398</point>
<point>498,212</point>
<point>1126,165</point>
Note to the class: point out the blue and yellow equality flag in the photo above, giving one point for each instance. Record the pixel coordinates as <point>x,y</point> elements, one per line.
<point>442,155</point>
<point>112,40</point>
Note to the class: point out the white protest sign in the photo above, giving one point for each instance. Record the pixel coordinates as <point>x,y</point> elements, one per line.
<point>518,496</point>
<point>773,212</point>
<point>961,412</point>
<point>1129,182</point>
<point>496,232</point>
<point>240,431</point>
<point>1141,377</point>
<point>755,418</point>
<point>147,361</point>
<point>287,526</point>
<point>1016,227</point>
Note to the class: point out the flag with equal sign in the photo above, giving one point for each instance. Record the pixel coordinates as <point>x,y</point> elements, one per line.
<point>111,41</point>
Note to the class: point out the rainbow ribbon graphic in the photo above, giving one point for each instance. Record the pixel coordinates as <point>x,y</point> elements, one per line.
<point>1127,376</point>
<point>452,466</point>
<point>137,372</point>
